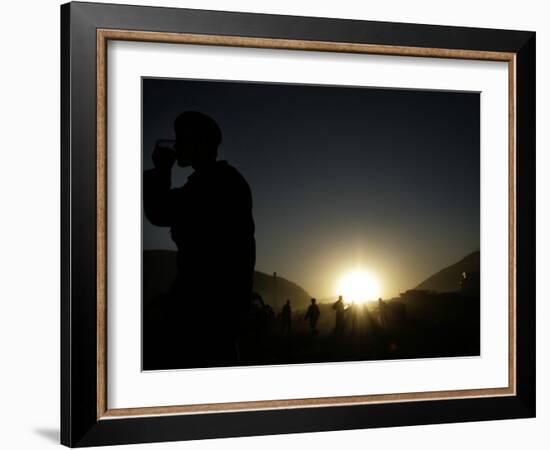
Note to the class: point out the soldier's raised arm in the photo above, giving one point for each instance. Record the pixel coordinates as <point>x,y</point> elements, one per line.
<point>159,200</point>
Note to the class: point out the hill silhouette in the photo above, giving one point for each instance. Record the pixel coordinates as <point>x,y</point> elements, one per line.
<point>447,279</point>
<point>159,271</point>
<point>285,289</point>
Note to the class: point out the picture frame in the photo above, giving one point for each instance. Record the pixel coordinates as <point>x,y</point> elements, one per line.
<point>86,418</point>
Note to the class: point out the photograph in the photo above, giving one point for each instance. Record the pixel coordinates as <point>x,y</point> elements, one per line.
<point>307,224</point>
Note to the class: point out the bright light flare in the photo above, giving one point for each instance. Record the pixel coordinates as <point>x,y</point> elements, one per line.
<point>358,286</point>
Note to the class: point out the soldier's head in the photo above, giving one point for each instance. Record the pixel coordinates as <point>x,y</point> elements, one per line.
<point>197,139</point>
<point>313,301</point>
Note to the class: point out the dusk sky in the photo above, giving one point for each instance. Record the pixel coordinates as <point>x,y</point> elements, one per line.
<point>341,177</point>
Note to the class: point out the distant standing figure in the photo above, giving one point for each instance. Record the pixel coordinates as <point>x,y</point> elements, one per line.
<point>286,318</point>
<point>338,307</point>
<point>383,311</point>
<point>313,314</point>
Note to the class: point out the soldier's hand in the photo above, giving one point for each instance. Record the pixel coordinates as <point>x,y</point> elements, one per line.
<point>163,158</point>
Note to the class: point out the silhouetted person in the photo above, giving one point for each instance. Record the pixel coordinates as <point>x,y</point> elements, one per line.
<point>313,314</point>
<point>211,223</point>
<point>286,318</point>
<point>383,312</point>
<point>338,307</point>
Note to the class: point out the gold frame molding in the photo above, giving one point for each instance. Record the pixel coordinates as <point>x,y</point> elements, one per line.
<point>104,35</point>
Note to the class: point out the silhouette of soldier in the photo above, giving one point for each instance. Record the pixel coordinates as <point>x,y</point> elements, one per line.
<point>313,314</point>
<point>286,318</point>
<point>338,307</point>
<point>211,223</point>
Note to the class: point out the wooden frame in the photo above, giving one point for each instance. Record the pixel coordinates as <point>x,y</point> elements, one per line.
<point>86,418</point>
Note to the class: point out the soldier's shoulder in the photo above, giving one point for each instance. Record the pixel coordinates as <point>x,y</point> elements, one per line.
<point>231,172</point>
<point>224,166</point>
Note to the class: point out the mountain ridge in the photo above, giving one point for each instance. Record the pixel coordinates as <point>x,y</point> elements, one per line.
<point>160,269</point>
<point>448,278</point>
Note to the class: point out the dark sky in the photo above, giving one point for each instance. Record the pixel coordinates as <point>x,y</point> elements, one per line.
<point>341,177</point>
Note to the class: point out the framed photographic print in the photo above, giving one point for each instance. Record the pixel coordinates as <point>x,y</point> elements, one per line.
<point>276,224</point>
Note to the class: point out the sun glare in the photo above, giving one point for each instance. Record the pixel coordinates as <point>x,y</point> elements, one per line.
<point>358,286</point>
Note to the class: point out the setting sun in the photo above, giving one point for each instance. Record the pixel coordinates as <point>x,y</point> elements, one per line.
<point>358,286</point>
